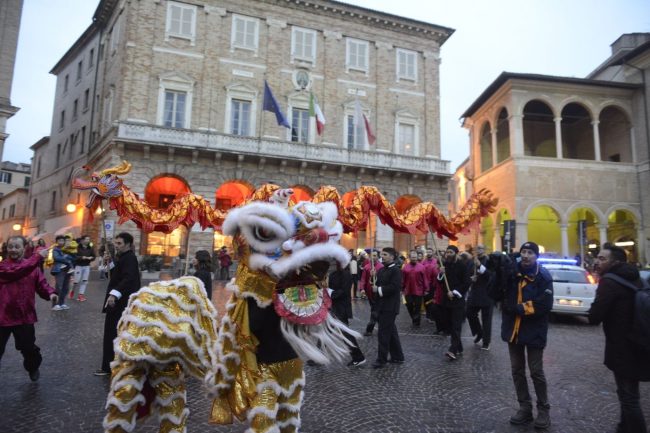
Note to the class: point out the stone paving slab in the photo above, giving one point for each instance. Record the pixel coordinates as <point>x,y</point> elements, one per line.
<point>428,393</point>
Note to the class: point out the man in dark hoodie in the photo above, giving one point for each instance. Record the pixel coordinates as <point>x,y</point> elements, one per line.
<point>524,325</point>
<point>614,307</point>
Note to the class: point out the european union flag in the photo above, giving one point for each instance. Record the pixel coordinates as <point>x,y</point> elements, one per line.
<point>270,104</point>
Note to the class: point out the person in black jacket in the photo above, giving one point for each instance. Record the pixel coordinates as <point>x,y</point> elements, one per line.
<point>524,326</point>
<point>85,255</point>
<point>203,270</point>
<point>124,281</point>
<point>457,275</point>
<point>614,307</point>
<point>387,290</point>
<point>340,283</point>
<point>478,299</point>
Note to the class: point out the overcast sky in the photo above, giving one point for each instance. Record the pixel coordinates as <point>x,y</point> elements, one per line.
<point>554,37</point>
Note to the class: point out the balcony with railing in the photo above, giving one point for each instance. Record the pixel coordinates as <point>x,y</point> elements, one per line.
<point>219,142</point>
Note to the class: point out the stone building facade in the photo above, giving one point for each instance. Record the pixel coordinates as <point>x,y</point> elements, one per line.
<point>568,157</point>
<point>178,92</point>
<point>10,11</point>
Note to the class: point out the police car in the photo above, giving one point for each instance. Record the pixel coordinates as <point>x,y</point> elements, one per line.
<point>574,288</point>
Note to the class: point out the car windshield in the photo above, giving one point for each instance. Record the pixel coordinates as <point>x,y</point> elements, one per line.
<point>568,276</point>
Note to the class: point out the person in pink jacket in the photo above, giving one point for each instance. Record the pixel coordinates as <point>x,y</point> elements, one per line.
<point>20,280</point>
<point>431,277</point>
<point>414,286</point>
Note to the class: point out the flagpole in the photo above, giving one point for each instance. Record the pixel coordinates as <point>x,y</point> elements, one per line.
<point>261,121</point>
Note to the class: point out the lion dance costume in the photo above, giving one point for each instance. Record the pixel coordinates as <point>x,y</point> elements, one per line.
<point>278,314</point>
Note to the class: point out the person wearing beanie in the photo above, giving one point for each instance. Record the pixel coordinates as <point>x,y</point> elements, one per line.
<point>524,326</point>
<point>458,281</point>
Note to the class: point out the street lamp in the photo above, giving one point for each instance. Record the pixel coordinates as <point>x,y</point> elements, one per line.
<point>70,207</point>
<point>17,227</point>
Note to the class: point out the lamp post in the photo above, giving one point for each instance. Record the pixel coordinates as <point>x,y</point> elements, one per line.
<point>17,227</point>
<point>70,207</point>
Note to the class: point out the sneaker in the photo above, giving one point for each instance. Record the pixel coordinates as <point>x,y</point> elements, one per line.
<point>81,298</point>
<point>71,294</point>
<point>57,307</point>
<point>485,347</point>
<point>101,372</point>
<point>478,338</point>
<point>451,355</point>
<point>378,364</point>
<point>34,375</point>
<point>356,363</point>
<point>396,361</point>
<point>65,307</point>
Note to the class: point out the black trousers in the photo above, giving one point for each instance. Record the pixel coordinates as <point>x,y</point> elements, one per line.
<point>456,319</point>
<point>441,317</point>
<point>414,307</point>
<point>373,317</point>
<point>632,420</point>
<point>482,327</point>
<point>110,333</point>
<point>24,338</point>
<point>355,352</point>
<point>535,356</point>
<point>388,338</point>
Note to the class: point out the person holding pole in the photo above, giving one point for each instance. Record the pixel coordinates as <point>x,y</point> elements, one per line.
<point>457,280</point>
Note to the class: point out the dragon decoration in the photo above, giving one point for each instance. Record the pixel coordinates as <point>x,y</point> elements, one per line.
<point>250,361</point>
<point>190,208</point>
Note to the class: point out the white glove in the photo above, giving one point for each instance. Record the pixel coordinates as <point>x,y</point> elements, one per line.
<point>330,291</point>
<point>457,294</point>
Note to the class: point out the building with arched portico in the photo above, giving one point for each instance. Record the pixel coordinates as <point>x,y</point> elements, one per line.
<point>567,157</point>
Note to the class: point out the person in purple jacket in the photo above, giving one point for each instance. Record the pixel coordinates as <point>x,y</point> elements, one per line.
<point>20,280</point>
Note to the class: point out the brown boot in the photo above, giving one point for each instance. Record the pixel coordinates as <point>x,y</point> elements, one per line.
<point>523,416</point>
<point>543,419</point>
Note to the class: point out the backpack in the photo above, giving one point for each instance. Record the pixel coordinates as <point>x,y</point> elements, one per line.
<point>641,333</point>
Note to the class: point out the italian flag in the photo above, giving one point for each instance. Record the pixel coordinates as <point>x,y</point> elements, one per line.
<point>362,121</point>
<point>315,111</point>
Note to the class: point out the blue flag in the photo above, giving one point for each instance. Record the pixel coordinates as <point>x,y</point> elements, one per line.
<point>270,104</point>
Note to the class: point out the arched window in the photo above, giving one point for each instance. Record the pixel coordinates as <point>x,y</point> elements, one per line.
<point>614,131</point>
<point>486,147</point>
<point>503,136</point>
<point>577,133</point>
<point>539,130</point>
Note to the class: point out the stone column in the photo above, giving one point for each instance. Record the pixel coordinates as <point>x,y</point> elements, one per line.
<point>496,239</point>
<point>516,122</point>
<point>602,231</point>
<point>558,137</point>
<point>594,124</point>
<point>565,240</point>
<point>640,245</point>
<point>521,234</point>
<point>493,133</point>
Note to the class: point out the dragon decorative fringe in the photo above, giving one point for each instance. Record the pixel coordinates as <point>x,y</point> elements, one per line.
<point>190,208</point>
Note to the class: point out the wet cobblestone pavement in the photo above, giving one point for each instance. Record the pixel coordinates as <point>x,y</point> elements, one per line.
<point>428,393</point>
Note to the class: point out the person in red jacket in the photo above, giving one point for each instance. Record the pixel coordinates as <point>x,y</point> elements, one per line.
<point>414,286</point>
<point>20,280</point>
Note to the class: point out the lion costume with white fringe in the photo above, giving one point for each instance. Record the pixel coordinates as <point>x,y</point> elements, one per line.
<point>278,314</point>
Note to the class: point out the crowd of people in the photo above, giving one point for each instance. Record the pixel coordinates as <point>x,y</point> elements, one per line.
<point>446,287</point>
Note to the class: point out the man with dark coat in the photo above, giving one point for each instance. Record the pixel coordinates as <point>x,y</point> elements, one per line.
<point>387,290</point>
<point>368,275</point>
<point>479,301</point>
<point>614,307</point>
<point>340,283</point>
<point>524,326</point>
<point>457,275</point>
<point>124,281</point>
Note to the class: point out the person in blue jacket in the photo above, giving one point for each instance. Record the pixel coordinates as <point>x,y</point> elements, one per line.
<point>524,326</point>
